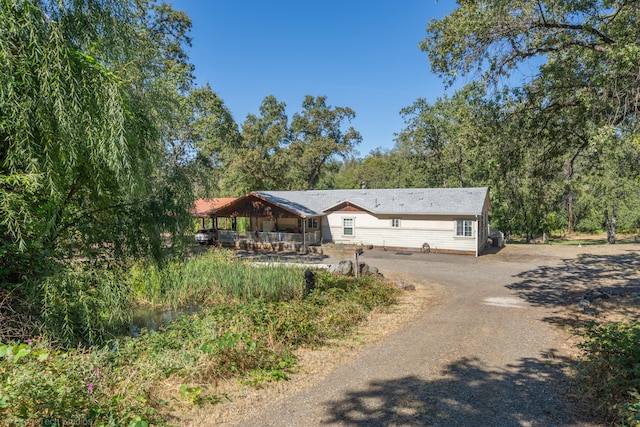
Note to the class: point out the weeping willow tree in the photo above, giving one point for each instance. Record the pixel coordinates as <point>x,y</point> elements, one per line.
<point>82,173</point>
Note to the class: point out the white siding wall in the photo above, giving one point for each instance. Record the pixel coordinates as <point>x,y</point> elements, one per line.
<point>413,232</point>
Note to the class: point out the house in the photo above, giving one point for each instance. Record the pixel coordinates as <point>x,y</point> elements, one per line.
<point>436,219</point>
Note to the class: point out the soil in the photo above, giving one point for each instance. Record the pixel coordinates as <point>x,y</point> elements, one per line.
<point>480,341</point>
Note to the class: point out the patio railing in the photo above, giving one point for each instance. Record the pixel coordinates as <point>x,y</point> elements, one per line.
<point>311,238</point>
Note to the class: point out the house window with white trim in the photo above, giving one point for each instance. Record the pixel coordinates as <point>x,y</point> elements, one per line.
<point>347,226</point>
<point>464,228</point>
<point>395,222</point>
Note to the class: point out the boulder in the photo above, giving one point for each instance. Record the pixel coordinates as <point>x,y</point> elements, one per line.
<point>344,268</point>
<point>363,269</point>
<point>405,286</point>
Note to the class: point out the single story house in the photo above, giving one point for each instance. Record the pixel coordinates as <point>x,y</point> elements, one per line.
<point>436,219</point>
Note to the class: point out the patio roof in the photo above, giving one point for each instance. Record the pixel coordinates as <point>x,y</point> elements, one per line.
<point>206,208</point>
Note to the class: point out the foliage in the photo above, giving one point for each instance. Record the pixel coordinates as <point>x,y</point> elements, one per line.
<point>41,385</point>
<point>610,370</point>
<point>261,162</point>
<point>141,380</point>
<point>318,135</point>
<point>80,160</point>
<point>211,278</point>
<point>81,304</point>
<point>547,143</point>
<point>275,154</point>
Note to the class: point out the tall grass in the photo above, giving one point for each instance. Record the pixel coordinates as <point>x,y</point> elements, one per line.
<point>212,278</point>
<point>147,379</point>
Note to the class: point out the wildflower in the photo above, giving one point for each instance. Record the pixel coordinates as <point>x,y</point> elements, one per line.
<point>90,387</point>
<point>96,372</point>
<point>29,341</point>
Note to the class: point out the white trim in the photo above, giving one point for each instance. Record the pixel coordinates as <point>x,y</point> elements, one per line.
<point>353,226</point>
<point>464,229</point>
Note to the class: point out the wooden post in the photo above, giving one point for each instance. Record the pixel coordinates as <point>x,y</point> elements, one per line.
<point>356,267</point>
<point>304,232</point>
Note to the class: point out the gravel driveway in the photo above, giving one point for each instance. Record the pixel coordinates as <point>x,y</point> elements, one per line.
<point>482,355</point>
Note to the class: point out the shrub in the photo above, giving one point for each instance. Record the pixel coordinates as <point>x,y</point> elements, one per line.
<point>610,370</point>
<point>42,386</point>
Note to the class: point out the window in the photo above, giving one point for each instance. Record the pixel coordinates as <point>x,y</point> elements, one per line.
<point>347,226</point>
<point>311,223</point>
<point>464,228</point>
<point>395,223</point>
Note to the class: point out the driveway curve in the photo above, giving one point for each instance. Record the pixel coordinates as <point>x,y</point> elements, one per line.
<point>483,355</point>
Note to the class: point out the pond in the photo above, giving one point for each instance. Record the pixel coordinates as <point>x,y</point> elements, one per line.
<point>152,318</point>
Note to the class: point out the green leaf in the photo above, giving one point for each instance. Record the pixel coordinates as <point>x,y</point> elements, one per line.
<point>138,422</point>
<point>21,353</point>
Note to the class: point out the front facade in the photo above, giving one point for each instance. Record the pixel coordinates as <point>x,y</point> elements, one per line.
<point>439,219</point>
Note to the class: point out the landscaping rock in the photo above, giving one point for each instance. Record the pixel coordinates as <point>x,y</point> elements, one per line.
<point>584,303</point>
<point>344,268</point>
<point>363,269</point>
<point>405,286</point>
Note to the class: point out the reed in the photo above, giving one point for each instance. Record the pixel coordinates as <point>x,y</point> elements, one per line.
<point>212,278</point>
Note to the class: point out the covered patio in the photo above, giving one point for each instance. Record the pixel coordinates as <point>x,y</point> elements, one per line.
<point>271,225</point>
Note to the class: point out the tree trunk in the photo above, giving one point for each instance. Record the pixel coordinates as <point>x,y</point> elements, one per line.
<point>570,203</point>
<point>610,225</point>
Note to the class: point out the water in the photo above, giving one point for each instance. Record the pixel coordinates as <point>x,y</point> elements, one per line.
<point>153,318</point>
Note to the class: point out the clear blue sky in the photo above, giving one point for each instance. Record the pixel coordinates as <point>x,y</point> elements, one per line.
<point>359,54</point>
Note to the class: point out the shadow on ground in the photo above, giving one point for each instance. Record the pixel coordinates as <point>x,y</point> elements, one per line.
<point>567,283</point>
<point>533,393</point>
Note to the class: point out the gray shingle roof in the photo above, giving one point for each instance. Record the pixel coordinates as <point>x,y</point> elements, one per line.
<point>427,201</point>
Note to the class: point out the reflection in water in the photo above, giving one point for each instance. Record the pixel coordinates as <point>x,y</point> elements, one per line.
<point>152,318</point>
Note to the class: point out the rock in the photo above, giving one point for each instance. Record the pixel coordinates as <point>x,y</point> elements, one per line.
<point>593,294</point>
<point>614,293</point>
<point>344,268</point>
<point>584,303</point>
<point>405,286</point>
<point>363,269</point>
<point>373,270</point>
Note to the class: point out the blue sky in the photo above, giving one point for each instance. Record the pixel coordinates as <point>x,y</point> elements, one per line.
<point>359,54</point>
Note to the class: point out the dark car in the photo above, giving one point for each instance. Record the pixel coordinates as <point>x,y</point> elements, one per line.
<point>205,236</point>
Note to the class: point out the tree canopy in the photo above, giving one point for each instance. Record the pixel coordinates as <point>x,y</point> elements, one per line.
<point>586,85</point>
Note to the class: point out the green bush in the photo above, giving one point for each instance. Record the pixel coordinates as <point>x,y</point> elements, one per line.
<point>42,386</point>
<point>610,370</point>
<point>247,335</point>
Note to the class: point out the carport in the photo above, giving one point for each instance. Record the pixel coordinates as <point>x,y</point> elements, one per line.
<point>271,222</point>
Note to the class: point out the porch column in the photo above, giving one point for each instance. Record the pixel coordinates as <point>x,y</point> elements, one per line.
<point>304,232</point>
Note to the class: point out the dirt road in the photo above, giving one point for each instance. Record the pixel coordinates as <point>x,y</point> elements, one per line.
<point>488,352</point>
